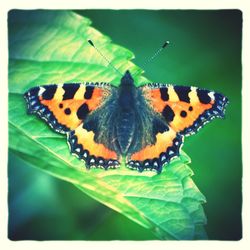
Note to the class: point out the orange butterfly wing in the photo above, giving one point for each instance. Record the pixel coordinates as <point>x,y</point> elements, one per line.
<point>185,110</point>
<point>65,108</point>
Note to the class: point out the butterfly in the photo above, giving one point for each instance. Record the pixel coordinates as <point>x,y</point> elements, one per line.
<point>144,125</point>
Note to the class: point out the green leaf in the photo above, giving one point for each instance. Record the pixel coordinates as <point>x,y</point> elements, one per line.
<point>50,47</point>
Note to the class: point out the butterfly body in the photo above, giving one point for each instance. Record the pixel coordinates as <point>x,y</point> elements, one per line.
<point>125,121</point>
<point>144,125</point>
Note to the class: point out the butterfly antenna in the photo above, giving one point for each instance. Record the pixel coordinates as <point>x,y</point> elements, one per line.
<point>104,57</point>
<point>166,43</point>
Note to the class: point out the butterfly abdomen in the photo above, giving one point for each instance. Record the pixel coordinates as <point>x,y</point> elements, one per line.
<point>125,129</point>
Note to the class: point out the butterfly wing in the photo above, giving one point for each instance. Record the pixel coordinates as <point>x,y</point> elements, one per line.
<point>65,108</point>
<point>183,110</point>
<point>152,157</point>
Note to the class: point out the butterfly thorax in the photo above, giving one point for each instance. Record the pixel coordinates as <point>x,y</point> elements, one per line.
<point>127,92</point>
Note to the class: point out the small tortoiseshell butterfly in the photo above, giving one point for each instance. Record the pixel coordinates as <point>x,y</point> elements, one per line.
<point>145,125</point>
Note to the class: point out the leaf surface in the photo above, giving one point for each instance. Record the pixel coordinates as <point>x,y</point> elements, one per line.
<point>50,47</point>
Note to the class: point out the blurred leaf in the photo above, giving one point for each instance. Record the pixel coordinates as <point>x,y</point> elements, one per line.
<point>50,47</point>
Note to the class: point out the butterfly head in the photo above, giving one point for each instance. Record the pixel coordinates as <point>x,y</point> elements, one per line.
<point>127,79</point>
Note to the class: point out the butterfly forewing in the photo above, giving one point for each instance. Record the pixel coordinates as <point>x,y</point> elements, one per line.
<point>185,109</point>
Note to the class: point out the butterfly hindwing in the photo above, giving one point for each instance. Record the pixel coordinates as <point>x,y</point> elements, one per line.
<point>152,157</point>
<point>82,144</point>
<point>185,109</point>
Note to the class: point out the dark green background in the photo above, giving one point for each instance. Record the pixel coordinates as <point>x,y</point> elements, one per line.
<point>204,51</point>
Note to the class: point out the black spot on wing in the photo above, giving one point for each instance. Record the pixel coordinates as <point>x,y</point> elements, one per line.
<point>168,113</point>
<point>183,113</point>
<point>67,111</point>
<point>88,92</point>
<point>164,94</point>
<point>182,92</point>
<point>203,96</point>
<point>82,112</point>
<point>70,90</point>
<point>49,92</point>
